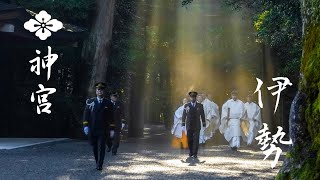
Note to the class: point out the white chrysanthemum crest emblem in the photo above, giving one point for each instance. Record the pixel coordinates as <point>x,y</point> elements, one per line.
<point>43,25</point>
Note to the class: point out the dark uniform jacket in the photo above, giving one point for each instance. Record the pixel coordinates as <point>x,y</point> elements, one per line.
<point>118,115</point>
<point>192,115</point>
<point>98,116</point>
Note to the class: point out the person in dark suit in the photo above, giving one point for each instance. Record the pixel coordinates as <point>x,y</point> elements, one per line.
<point>116,124</point>
<point>97,116</point>
<point>191,119</point>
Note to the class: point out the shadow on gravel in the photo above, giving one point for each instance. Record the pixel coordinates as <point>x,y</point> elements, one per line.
<point>192,161</point>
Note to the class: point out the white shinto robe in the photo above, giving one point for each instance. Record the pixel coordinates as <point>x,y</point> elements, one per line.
<point>211,112</point>
<point>177,124</point>
<point>215,116</point>
<point>232,131</point>
<point>254,117</point>
<point>206,132</point>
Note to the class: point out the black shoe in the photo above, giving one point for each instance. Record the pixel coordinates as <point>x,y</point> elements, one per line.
<point>99,168</point>
<point>234,148</point>
<point>195,156</point>
<point>190,155</point>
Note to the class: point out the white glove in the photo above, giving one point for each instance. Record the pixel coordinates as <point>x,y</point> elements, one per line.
<point>86,130</point>
<point>112,134</point>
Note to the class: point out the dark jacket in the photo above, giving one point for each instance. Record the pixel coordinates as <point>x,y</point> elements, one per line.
<point>98,116</point>
<point>192,115</point>
<point>118,116</point>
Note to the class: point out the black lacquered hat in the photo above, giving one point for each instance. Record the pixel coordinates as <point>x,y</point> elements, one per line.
<point>115,94</point>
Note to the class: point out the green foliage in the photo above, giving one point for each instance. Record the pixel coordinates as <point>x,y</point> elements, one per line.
<point>126,34</point>
<point>76,12</point>
<point>278,24</point>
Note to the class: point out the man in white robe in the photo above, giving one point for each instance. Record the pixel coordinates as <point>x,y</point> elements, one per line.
<point>177,124</point>
<point>231,116</point>
<point>253,115</point>
<point>204,134</point>
<point>215,115</point>
<point>211,110</point>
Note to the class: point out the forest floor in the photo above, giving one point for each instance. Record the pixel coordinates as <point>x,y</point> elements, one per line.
<point>146,158</point>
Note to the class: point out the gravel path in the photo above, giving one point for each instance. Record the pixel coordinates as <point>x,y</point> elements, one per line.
<point>148,158</point>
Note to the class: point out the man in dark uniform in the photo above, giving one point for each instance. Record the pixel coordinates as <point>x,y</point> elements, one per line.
<point>192,112</point>
<point>98,115</point>
<point>116,125</point>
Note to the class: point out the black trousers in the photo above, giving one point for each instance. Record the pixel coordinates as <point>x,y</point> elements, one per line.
<point>98,143</point>
<point>193,141</point>
<point>114,142</point>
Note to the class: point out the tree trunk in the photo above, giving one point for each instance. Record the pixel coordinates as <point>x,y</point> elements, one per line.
<point>96,49</point>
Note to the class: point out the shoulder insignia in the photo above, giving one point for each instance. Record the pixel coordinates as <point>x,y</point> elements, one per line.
<point>90,100</point>
<point>90,103</point>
